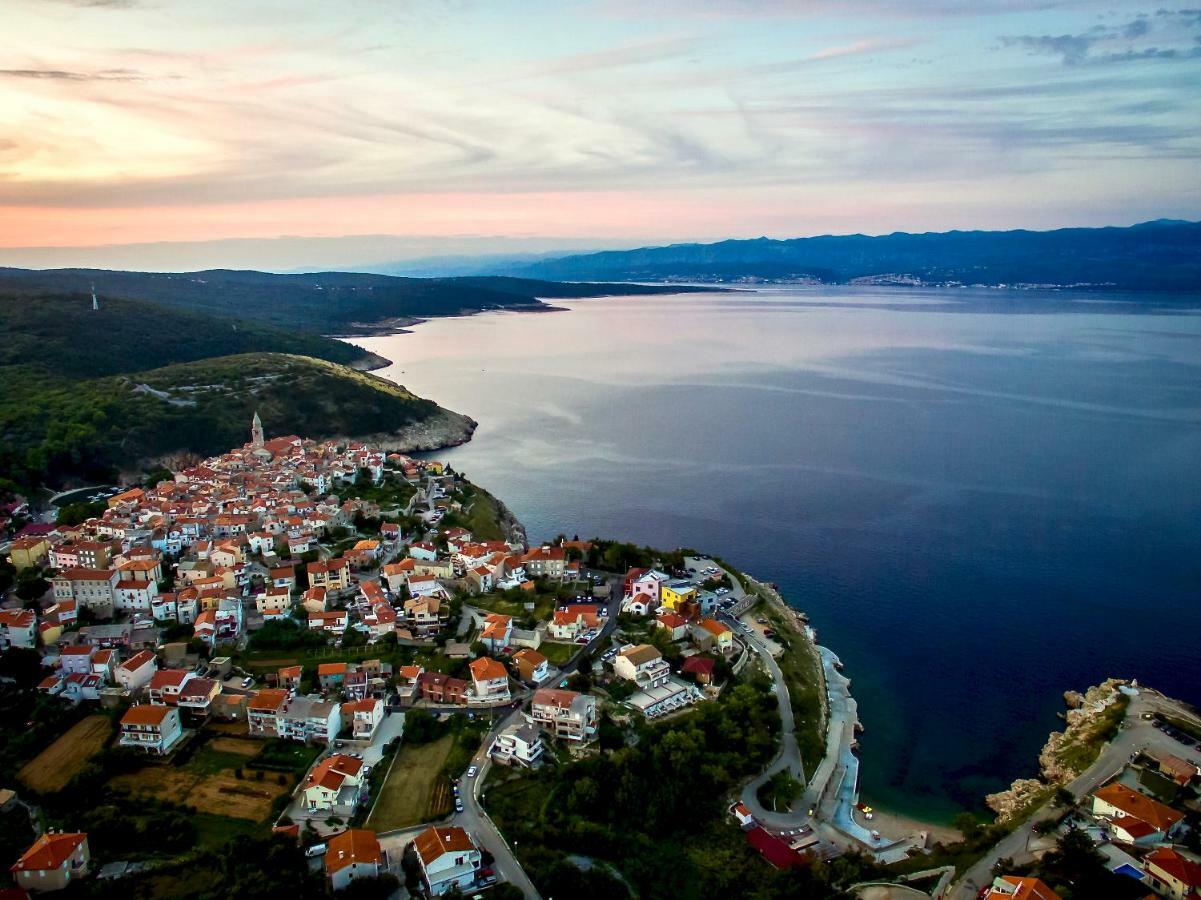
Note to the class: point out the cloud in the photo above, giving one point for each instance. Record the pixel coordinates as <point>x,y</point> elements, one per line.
<point>66,75</point>
<point>1121,43</point>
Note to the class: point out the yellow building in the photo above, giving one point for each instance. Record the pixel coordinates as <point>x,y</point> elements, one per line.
<point>28,552</point>
<point>673,596</point>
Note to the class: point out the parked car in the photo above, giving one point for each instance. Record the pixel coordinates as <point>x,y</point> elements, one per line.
<point>247,682</point>
<point>471,772</point>
<point>458,805</point>
<point>315,850</point>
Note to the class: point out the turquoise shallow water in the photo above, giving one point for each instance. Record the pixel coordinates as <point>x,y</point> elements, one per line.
<point>982,498</point>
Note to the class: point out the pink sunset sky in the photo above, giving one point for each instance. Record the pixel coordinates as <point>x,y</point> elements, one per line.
<point>291,133</point>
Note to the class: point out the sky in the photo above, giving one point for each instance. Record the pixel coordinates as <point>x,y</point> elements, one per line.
<point>163,134</point>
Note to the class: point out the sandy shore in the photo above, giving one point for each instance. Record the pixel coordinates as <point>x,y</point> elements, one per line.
<point>898,826</point>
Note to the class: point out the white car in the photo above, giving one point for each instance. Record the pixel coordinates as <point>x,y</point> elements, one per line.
<point>471,772</point>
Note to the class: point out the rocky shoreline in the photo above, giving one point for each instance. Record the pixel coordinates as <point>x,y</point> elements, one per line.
<point>443,429</point>
<point>1085,725</point>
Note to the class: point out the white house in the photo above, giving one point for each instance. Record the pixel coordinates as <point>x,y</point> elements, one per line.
<point>335,781</point>
<point>448,859</point>
<point>154,729</point>
<point>642,664</point>
<point>355,853</point>
<point>520,743</point>
<point>363,717</point>
<point>135,673</point>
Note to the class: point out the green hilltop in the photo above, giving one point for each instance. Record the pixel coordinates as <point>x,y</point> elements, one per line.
<point>85,393</point>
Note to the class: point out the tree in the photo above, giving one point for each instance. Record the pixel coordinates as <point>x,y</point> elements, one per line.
<point>1064,798</point>
<point>967,825</point>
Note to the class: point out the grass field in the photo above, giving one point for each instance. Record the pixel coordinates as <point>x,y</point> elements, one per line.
<point>209,783</point>
<point>51,769</point>
<point>416,791</point>
<point>558,654</point>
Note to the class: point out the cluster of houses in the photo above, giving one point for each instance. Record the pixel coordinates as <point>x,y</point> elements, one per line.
<point>1136,834</point>
<point>1140,834</point>
<point>445,856</point>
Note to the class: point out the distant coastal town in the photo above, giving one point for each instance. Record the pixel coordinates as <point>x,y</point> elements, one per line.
<point>304,667</point>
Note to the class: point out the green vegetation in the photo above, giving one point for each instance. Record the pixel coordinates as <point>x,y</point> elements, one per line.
<point>89,428</point>
<point>409,794</point>
<point>1082,751</point>
<point>780,791</point>
<point>802,669</point>
<point>286,635</point>
<point>557,654</point>
<point>320,303</point>
<point>630,809</point>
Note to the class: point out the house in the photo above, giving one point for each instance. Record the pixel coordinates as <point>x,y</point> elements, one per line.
<point>134,595</point>
<point>642,664</point>
<point>439,688</point>
<point>262,711</point>
<point>364,717</point>
<point>283,578</point>
<point>641,591</point>
<point>52,862</point>
<point>29,552</point>
<point>490,680</point>
<point>497,632</point>
<point>166,684</point>
<point>355,853</point>
<point>406,681</point>
<point>331,676</point>
<point>18,628</point>
<point>519,743</point>
<point>274,602</point>
<point>333,575</point>
<point>289,677</point>
<point>305,719</point>
<point>675,625</point>
<point>154,729</point>
<point>333,622</point>
<point>566,714</point>
<point>76,687</point>
<point>92,588</point>
<point>448,859</point>
<point>546,562</point>
<point>313,600</point>
<point>197,696</point>
<point>1014,887</point>
<point>1179,770</point>
<point>702,667</point>
<point>531,665</point>
<point>574,622</point>
<point>335,781</point>
<point>676,595</point>
<point>77,658</point>
<point>424,615</point>
<point>423,550</point>
<point>1133,817</point>
<point>135,673</point>
<point>713,633</point>
<point>1173,874</point>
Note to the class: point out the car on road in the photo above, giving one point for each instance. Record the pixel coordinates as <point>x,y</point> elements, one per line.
<point>471,772</point>
<point>247,682</point>
<point>458,805</point>
<point>455,788</point>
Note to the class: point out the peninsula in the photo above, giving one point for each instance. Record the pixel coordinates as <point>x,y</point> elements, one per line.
<point>304,650</point>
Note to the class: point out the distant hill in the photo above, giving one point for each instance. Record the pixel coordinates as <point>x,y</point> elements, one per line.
<point>1164,255</point>
<point>322,303</point>
<point>85,394</point>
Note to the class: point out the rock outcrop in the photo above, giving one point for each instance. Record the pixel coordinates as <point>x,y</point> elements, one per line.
<point>1086,722</point>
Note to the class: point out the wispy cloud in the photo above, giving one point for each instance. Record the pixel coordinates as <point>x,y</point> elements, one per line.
<point>65,75</point>
<point>1165,37</point>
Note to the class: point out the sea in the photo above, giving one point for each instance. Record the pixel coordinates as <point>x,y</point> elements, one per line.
<point>982,498</point>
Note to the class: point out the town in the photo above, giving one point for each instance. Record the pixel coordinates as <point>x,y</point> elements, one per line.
<point>358,655</point>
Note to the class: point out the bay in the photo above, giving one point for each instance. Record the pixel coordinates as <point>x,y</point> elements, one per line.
<point>982,498</point>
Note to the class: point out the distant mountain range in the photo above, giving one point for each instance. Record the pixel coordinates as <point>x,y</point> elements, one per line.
<point>1163,255</point>
<point>320,302</point>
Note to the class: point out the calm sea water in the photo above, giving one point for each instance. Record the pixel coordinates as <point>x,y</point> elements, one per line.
<point>981,498</point>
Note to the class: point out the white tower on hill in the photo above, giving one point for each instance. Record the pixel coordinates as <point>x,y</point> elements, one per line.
<point>95,302</point>
<point>256,430</point>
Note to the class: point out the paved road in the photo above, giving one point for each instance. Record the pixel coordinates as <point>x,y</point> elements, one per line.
<point>477,822</point>
<point>1137,734</point>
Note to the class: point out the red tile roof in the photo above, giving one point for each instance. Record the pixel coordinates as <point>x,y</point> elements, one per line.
<point>49,851</point>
